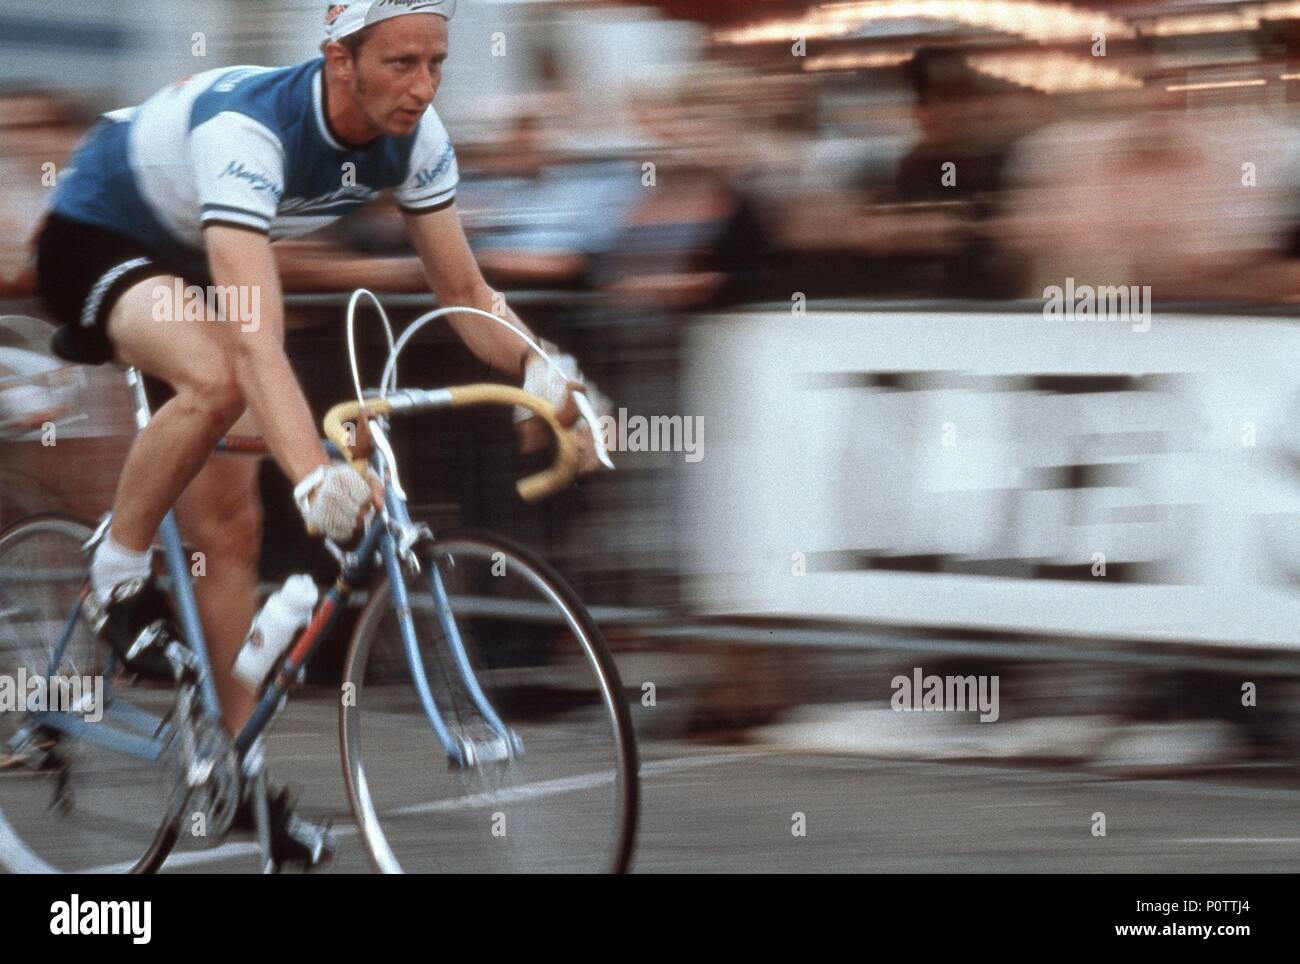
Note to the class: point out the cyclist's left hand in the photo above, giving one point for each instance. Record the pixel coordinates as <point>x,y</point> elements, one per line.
<point>557,387</point>
<point>534,435</point>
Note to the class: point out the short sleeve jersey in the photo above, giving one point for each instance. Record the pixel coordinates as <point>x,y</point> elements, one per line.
<point>244,146</point>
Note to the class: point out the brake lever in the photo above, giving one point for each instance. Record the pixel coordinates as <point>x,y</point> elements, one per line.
<point>380,440</point>
<point>588,412</point>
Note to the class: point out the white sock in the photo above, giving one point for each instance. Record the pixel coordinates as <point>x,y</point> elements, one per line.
<point>113,565</point>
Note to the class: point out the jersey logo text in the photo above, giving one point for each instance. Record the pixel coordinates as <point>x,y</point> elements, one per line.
<point>258,182</point>
<point>431,174</point>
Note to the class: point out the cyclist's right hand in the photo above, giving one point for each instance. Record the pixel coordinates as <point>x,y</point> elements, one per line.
<point>334,501</point>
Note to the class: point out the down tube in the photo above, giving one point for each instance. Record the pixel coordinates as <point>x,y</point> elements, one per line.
<point>323,620</point>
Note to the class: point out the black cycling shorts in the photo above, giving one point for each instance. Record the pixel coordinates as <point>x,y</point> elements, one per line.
<point>81,271</point>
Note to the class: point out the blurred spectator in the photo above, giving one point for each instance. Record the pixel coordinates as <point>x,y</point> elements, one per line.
<point>38,131</point>
<point>538,219</point>
<point>695,237</point>
<point>1198,205</point>
<point>26,404</point>
<point>694,242</point>
<point>948,185</point>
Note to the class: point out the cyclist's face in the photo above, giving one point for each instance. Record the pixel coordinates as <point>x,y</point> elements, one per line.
<point>398,71</point>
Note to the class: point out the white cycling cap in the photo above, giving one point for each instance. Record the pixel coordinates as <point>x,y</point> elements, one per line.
<point>343,19</point>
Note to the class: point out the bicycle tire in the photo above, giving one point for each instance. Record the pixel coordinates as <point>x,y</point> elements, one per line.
<point>579,622</point>
<point>35,604</point>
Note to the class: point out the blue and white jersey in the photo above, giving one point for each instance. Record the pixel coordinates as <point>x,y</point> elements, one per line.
<point>243,146</point>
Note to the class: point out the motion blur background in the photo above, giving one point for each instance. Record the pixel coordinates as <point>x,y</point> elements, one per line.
<point>823,236</point>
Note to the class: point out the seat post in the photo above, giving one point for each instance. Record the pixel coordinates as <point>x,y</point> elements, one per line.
<point>139,398</point>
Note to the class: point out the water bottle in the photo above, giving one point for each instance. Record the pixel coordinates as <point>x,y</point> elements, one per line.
<point>287,611</point>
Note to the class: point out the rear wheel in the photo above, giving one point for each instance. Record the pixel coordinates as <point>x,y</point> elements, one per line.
<point>551,779</point>
<point>68,804</point>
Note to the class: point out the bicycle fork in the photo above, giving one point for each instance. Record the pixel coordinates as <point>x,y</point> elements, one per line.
<point>462,750</point>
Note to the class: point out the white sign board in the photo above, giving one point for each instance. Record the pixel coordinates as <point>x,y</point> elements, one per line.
<point>999,471</point>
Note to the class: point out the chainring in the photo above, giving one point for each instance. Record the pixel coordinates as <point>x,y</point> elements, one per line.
<point>208,809</point>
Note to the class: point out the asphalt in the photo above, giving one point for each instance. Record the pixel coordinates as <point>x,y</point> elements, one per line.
<point>739,807</point>
<point>717,808</point>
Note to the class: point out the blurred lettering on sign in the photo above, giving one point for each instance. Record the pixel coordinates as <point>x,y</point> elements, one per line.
<point>991,471</point>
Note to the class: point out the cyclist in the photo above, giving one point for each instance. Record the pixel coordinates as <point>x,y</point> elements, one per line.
<point>191,188</point>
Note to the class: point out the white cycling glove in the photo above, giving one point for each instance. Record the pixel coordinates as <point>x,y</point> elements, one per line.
<point>544,381</point>
<point>340,495</point>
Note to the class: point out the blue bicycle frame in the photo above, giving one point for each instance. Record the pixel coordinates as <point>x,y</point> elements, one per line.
<point>144,735</point>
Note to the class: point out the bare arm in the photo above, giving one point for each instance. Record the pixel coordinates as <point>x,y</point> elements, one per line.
<point>455,278</point>
<point>270,388</point>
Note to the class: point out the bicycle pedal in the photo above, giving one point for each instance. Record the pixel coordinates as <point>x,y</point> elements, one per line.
<point>95,615</point>
<point>149,637</point>
<point>92,612</point>
<point>183,663</point>
<point>323,847</point>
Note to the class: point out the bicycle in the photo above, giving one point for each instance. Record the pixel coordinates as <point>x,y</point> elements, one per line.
<point>504,675</point>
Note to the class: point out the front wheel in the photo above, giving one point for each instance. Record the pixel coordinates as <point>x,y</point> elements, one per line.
<point>519,754</point>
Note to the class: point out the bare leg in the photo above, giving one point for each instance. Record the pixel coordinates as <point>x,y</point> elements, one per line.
<point>220,514</point>
<point>194,357</point>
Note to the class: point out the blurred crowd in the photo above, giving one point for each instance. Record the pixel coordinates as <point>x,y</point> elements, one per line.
<point>933,177</point>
